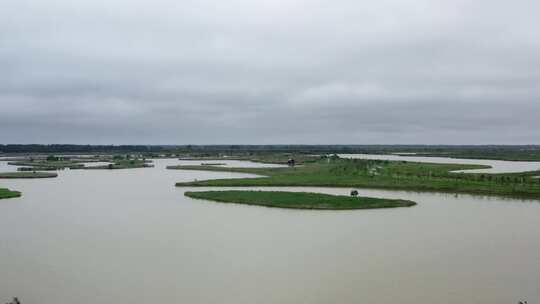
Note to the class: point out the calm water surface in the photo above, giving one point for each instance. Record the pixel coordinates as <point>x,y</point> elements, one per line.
<point>130,236</point>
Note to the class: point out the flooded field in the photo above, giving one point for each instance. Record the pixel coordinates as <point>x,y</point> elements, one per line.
<point>130,236</point>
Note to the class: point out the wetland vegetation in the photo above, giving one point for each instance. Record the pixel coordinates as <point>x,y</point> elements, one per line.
<point>298,200</point>
<point>264,157</point>
<point>52,163</point>
<point>6,193</point>
<point>500,152</point>
<point>28,174</point>
<point>124,162</point>
<point>310,168</point>
<point>336,172</point>
<point>44,164</point>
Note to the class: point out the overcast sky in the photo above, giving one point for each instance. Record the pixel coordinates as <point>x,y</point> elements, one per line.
<point>264,72</point>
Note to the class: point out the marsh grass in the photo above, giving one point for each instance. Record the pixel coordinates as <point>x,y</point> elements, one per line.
<point>6,193</point>
<point>27,174</point>
<point>298,200</point>
<point>401,175</point>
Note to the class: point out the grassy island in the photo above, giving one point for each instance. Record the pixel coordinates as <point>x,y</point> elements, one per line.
<point>263,157</point>
<point>124,164</point>
<point>53,163</point>
<point>6,193</point>
<point>363,173</point>
<point>298,200</point>
<point>47,164</point>
<point>26,174</point>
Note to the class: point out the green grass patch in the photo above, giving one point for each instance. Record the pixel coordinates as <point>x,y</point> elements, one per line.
<point>400,175</point>
<point>32,174</point>
<point>298,200</point>
<point>52,163</point>
<point>47,165</point>
<point>6,193</point>
<point>124,164</point>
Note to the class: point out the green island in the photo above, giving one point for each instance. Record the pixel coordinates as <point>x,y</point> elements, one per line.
<point>381,174</point>
<point>6,193</point>
<point>30,165</point>
<point>492,153</point>
<point>298,200</point>
<point>261,157</point>
<point>123,164</point>
<point>28,174</point>
<point>53,163</point>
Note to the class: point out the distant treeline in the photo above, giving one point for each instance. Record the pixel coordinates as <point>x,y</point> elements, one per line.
<point>79,148</point>
<point>523,152</point>
<point>57,148</point>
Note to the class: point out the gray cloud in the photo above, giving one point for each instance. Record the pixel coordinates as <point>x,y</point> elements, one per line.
<point>306,71</point>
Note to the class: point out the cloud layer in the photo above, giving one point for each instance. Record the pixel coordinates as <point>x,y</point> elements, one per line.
<point>262,72</point>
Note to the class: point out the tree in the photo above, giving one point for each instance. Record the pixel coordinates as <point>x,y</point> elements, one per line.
<point>52,158</point>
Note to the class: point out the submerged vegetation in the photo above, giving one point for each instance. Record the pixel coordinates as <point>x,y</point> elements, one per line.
<point>6,193</point>
<point>401,175</point>
<point>298,200</point>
